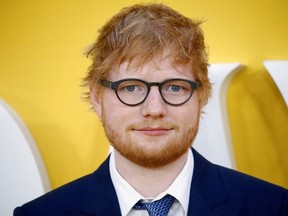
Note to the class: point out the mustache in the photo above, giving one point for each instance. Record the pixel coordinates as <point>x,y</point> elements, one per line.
<point>152,124</point>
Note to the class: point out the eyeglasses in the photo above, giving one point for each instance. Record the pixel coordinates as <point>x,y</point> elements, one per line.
<point>133,92</point>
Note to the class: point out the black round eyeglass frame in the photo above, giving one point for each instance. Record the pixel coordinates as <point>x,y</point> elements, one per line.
<point>114,86</point>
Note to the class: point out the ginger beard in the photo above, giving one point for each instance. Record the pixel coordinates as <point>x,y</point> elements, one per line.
<point>151,154</point>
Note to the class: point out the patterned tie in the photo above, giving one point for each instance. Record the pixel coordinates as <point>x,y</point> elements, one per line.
<point>157,208</point>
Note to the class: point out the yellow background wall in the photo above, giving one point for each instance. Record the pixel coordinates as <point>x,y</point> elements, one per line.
<point>42,63</point>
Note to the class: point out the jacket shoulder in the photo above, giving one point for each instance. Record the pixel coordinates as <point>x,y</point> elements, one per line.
<point>71,198</point>
<point>58,201</point>
<point>257,196</point>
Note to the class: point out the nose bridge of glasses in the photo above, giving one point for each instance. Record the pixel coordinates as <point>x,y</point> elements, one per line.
<point>154,95</point>
<point>151,84</point>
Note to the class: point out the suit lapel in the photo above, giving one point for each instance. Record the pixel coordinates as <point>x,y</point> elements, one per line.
<point>208,195</point>
<point>101,197</point>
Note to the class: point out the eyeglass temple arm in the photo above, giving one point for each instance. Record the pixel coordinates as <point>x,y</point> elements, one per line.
<point>198,84</point>
<point>106,83</point>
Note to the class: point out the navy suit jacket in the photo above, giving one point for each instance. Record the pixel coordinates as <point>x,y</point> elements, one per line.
<point>215,190</point>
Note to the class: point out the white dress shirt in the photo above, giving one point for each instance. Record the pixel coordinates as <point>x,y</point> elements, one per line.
<point>180,189</point>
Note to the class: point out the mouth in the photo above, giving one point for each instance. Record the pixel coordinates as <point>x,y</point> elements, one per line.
<point>153,131</point>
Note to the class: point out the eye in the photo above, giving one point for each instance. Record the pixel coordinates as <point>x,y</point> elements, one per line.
<point>131,87</point>
<point>174,88</point>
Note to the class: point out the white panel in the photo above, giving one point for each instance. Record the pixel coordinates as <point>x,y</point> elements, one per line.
<point>23,176</point>
<point>279,72</point>
<point>214,138</point>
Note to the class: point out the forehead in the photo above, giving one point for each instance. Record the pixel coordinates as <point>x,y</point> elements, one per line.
<point>154,70</point>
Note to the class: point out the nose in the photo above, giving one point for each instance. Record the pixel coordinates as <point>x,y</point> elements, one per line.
<point>154,106</point>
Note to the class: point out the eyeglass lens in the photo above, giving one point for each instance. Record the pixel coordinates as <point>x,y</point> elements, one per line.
<point>174,92</point>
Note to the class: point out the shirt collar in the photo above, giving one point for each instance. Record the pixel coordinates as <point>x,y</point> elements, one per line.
<point>180,188</point>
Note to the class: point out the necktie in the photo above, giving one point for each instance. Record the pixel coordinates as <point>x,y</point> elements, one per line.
<point>157,208</point>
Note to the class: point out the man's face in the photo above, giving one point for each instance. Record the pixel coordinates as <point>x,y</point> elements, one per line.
<point>153,133</point>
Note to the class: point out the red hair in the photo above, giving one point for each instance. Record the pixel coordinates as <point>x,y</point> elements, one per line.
<point>139,33</point>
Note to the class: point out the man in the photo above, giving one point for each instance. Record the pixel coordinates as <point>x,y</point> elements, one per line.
<point>148,84</point>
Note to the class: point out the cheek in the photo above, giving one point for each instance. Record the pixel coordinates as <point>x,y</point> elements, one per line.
<point>117,115</point>
<point>189,118</point>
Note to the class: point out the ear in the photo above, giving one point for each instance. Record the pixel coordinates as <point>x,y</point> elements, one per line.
<point>96,100</point>
<point>200,102</point>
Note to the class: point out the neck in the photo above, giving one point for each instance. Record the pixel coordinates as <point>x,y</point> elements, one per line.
<point>149,182</point>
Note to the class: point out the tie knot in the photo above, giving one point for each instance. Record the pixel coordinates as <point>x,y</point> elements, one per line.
<point>157,208</point>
